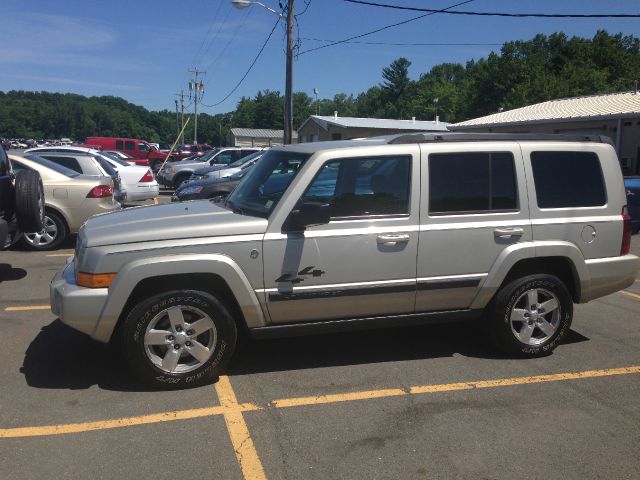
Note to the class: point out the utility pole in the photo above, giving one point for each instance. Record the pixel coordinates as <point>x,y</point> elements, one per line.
<point>288,90</point>
<point>177,119</point>
<point>198,90</point>
<point>315,92</point>
<point>181,97</point>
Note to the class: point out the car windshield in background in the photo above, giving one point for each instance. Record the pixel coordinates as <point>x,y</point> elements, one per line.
<point>262,188</point>
<point>53,166</point>
<point>206,156</point>
<point>106,166</point>
<point>243,160</point>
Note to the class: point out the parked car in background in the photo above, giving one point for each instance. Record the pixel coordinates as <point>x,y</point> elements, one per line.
<point>632,186</point>
<point>77,197</point>
<point>135,183</point>
<point>142,152</point>
<point>21,201</point>
<point>86,164</point>
<point>209,187</point>
<point>225,171</point>
<point>183,151</point>
<point>121,155</point>
<point>174,174</point>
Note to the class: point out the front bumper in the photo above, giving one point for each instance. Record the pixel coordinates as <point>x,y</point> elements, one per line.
<point>78,307</point>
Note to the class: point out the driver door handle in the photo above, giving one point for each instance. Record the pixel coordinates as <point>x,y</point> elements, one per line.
<point>392,239</point>
<point>508,232</point>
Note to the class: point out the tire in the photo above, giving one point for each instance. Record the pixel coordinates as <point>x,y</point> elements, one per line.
<point>50,237</point>
<point>518,326</point>
<point>29,201</point>
<point>157,328</point>
<point>180,179</point>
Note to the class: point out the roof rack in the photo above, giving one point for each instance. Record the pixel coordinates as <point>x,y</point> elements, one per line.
<point>430,137</point>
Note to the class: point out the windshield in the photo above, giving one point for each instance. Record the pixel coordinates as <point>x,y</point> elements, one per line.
<point>262,188</point>
<point>243,160</point>
<point>206,156</point>
<point>114,158</point>
<point>53,166</point>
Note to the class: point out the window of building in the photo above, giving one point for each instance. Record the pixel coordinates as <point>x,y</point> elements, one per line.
<point>471,182</point>
<point>568,179</point>
<point>336,136</point>
<point>357,187</point>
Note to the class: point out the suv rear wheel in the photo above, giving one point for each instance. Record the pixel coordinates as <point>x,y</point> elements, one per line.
<point>530,316</point>
<point>179,338</point>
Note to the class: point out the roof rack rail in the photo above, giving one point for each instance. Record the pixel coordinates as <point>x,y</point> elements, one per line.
<point>431,137</point>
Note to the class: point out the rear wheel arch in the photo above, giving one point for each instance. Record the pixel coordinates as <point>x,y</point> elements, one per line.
<point>561,267</point>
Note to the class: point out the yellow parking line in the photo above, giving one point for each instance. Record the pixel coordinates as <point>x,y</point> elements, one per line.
<point>106,424</point>
<point>232,410</point>
<point>239,432</point>
<point>25,309</point>
<point>630,294</point>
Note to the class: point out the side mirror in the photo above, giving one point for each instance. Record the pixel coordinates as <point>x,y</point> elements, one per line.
<point>308,215</point>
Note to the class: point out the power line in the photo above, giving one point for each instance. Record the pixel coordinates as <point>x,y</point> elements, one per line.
<point>248,70</point>
<point>204,40</point>
<point>383,28</point>
<point>421,44</point>
<point>232,38</point>
<point>499,14</point>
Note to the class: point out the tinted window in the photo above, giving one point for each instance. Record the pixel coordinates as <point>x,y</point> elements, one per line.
<point>363,186</point>
<point>69,162</point>
<point>106,166</point>
<point>52,165</point>
<point>471,182</point>
<point>119,145</point>
<point>143,147</point>
<point>128,145</point>
<point>4,162</point>
<point>568,179</point>
<point>225,158</point>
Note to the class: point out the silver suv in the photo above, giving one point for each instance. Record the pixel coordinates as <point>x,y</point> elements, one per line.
<point>510,230</point>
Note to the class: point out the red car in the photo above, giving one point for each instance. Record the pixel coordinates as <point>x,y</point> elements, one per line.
<point>183,151</point>
<point>141,151</point>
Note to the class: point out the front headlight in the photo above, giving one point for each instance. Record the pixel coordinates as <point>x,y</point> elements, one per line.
<point>191,190</point>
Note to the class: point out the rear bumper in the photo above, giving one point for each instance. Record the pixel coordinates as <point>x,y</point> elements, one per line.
<point>144,192</point>
<point>610,275</point>
<point>78,307</point>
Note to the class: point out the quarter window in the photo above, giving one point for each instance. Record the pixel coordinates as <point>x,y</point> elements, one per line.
<point>568,179</point>
<point>68,162</point>
<point>471,182</point>
<point>356,187</point>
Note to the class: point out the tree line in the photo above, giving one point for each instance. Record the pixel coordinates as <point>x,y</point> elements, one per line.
<point>522,73</point>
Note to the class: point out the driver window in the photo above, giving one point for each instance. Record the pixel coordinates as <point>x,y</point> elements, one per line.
<point>143,147</point>
<point>356,187</point>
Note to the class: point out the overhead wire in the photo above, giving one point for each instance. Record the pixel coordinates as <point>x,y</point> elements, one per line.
<point>498,14</point>
<point>231,39</point>
<point>248,70</point>
<point>204,40</point>
<point>410,44</point>
<point>338,42</point>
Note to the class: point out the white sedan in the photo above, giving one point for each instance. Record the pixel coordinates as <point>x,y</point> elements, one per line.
<point>137,183</point>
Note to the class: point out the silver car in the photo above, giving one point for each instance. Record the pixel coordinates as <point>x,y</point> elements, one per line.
<point>225,171</point>
<point>505,229</point>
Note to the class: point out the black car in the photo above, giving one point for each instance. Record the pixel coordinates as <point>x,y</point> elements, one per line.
<point>210,188</point>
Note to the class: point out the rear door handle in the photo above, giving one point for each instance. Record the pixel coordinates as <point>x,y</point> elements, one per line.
<point>387,239</point>
<point>508,232</point>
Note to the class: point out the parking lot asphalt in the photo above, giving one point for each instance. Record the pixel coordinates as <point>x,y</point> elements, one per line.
<point>424,402</point>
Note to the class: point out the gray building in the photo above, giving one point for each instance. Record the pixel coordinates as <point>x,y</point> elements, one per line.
<point>256,137</point>
<point>321,128</point>
<point>616,115</point>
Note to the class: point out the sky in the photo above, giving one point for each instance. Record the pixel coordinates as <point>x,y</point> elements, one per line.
<point>141,50</point>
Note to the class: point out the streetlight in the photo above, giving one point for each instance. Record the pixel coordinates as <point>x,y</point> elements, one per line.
<point>288,89</point>
<point>315,92</point>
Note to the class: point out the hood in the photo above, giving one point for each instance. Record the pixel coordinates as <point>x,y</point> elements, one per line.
<point>200,218</point>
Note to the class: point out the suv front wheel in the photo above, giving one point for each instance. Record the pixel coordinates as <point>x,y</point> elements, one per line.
<point>530,316</point>
<point>179,338</point>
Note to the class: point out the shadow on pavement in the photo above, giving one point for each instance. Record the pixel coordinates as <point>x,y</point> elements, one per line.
<point>371,346</point>
<point>62,358</point>
<point>9,273</point>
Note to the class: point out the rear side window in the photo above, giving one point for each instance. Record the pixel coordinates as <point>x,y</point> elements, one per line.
<point>119,145</point>
<point>68,162</point>
<point>471,182</point>
<point>568,179</point>
<point>128,145</point>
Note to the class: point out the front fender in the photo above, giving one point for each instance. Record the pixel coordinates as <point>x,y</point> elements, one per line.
<point>133,273</point>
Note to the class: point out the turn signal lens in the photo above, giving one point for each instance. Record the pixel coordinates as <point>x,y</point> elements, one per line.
<point>94,280</point>
<point>100,191</point>
<point>148,177</point>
